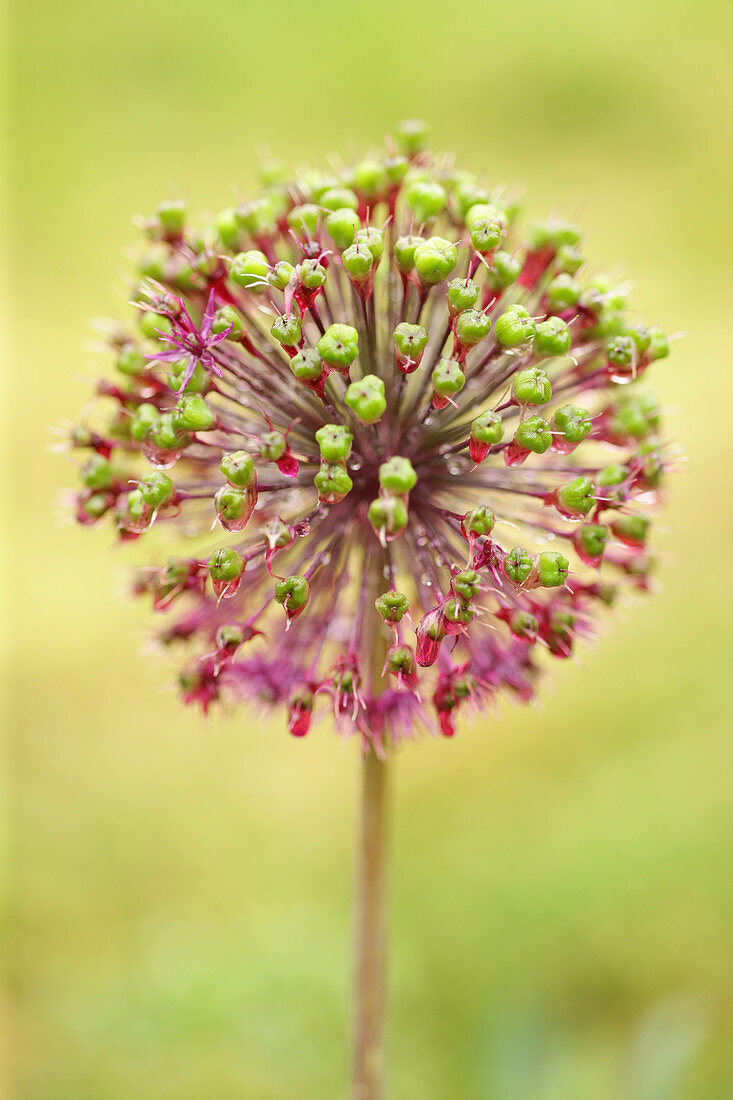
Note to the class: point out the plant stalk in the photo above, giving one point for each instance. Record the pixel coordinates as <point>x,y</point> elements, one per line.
<point>370,945</point>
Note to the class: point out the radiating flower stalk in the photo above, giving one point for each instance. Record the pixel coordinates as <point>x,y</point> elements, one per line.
<point>419,440</point>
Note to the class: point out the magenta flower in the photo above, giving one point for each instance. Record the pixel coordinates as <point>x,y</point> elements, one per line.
<point>187,343</point>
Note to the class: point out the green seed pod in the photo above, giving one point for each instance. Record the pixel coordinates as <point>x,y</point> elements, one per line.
<point>96,505</point>
<point>272,446</point>
<point>462,294</point>
<point>486,212</point>
<point>97,473</point>
<point>395,169</point>
<point>532,387</point>
<point>332,482</point>
<point>339,198</point>
<point>317,186</point>
<point>225,564</point>
<point>287,330</point>
<point>391,606</point>
<point>281,275</point>
<point>434,260</point>
<point>524,625</point>
<point>486,234</point>
<point>472,326</point>
<point>304,220</point>
<point>334,441</point>
<point>658,344</point>
<point>590,540</point>
<point>307,365</point>
<point>311,274</point>
<point>292,592</point>
<point>466,194</point>
<point>388,515</point>
<point>632,529</point>
<point>192,414</point>
<point>457,610</point>
<point>249,269</point>
<point>339,346</point>
<point>576,497</point>
<point>569,259</point>
<point>342,226</point>
<point>404,251</point>
<point>630,418</point>
<point>652,468</point>
<point>397,475</point>
<point>562,624</point>
<point>621,351</point>
<point>172,216</point>
<point>534,435</point>
<point>239,469</point>
<point>156,489</point>
<point>410,340</point>
<point>514,327</point>
<point>259,217</point>
<point>611,475</point>
<point>412,136</point>
<point>370,179</point>
<point>562,293</point>
<point>573,422</point>
<point>467,584</point>
<point>130,360</point>
<point>197,383</point>
<point>366,399</point>
<point>488,428</point>
<point>273,172</point>
<point>167,434</point>
<point>136,510</point>
<point>143,419</point>
<point>553,233</point>
<point>227,229</point>
<point>552,337</point>
<point>518,565</point>
<point>448,378</point>
<point>552,569</point>
<point>358,262</point>
<point>230,637</point>
<point>401,659</point>
<point>479,521</point>
<point>426,200</point>
<point>505,270</point>
<point>227,317</point>
<point>154,327</point>
<point>234,506</point>
<point>373,239</point>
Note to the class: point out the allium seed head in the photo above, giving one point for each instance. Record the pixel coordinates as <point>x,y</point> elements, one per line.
<point>418,430</point>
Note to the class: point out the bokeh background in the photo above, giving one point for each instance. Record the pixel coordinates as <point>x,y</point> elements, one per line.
<point>562,886</point>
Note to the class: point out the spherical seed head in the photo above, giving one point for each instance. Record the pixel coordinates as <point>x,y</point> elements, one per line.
<point>372,383</point>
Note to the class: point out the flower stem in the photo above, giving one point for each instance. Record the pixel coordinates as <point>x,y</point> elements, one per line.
<point>370,945</point>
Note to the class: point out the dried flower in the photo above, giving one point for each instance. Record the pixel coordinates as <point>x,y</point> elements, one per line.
<point>393,406</point>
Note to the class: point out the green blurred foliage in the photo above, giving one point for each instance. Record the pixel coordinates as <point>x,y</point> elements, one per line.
<point>562,891</point>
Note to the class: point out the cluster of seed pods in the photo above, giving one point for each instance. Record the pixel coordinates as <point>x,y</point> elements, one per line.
<point>414,441</point>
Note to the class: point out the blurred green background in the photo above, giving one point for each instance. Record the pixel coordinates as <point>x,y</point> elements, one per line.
<point>562,891</point>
